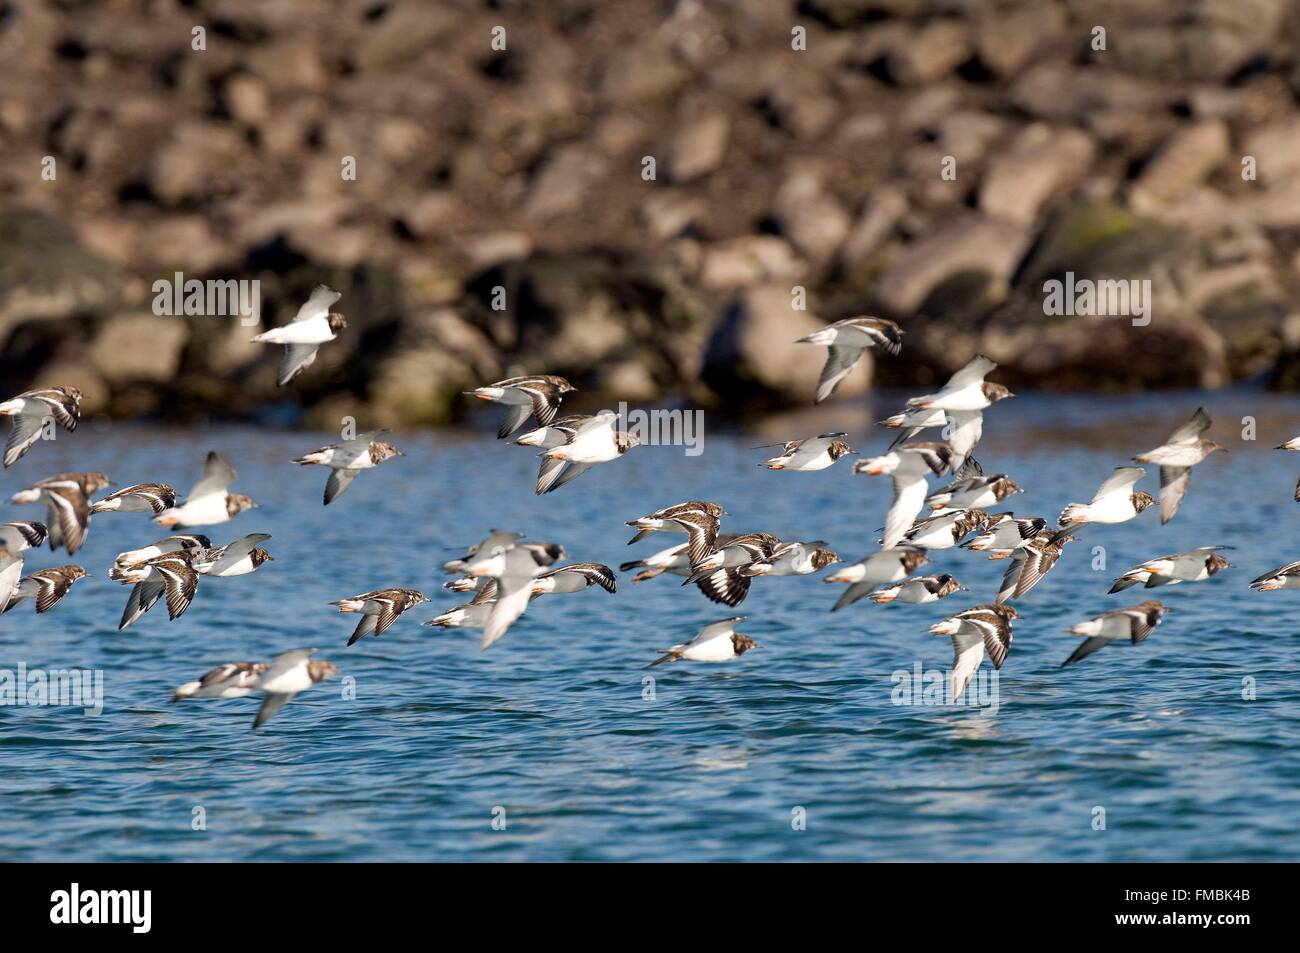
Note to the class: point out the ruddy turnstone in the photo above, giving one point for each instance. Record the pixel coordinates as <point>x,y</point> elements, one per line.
<point>1183,450</point>
<point>589,444</point>
<point>919,590</point>
<point>1005,534</point>
<point>312,326</point>
<point>847,340</point>
<point>1114,502</point>
<point>966,390</point>
<point>15,538</point>
<point>1192,566</point>
<point>140,498</point>
<point>674,559</point>
<point>379,609</point>
<point>349,458</point>
<point>794,559</point>
<point>286,676</point>
<point>546,554</point>
<point>539,396</point>
<point>168,544</point>
<point>877,569</point>
<point>908,466</point>
<point>719,573</point>
<point>236,558</point>
<point>66,497</point>
<point>170,573</point>
<point>555,434</point>
<point>470,615</point>
<point>514,569</point>
<point>979,492</point>
<point>1031,562</point>
<point>232,680</point>
<point>718,642</point>
<point>946,529</point>
<point>210,500</point>
<point>1134,623</point>
<point>975,631</point>
<point>574,578</point>
<point>811,453</point>
<point>30,412</point>
<point>46,586</point>
<point>668,520</point>
<point>1283,577</point>
<point>1292,444</point>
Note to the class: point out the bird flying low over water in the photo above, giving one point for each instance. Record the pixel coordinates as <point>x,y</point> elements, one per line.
<point>1183,450</point>
<point>877,569</point>
<point>1283,577</point>
<point>168,544</point>
<point>574,578</point>
<point>140,498</point>
<point>698,519</point>
<point>46,586</point>
<point>170,573</point>
<point>312,326</point>
<point>946,528</point>
<point>908,466</point>
<point>349,458</point>
<point>959,407</point>
<point>1134,623</point>
<point>1192,566</point>
<point>231,680</point>
<point>67,500</point>
<point>379,609</point>
<point>975,632</point>
<point>1292,444</point>
<point>29,413</point>
<point>592,442</point>
<point>977,492</point>
<point>1005,534</point>
<point>513,567</point>
<point>1031,562</point>
<point>719,574</point>
<point>919,590</point>
<point>210,501</point>
<point>718,642</point>
<point>793,559</point>
<point>236,558</point>
<point>285,677</point>
<point>811,453</point>
<point>847,340</point>
<point>1114,502</point>
<point>539,396</point>
<point>674,559</point>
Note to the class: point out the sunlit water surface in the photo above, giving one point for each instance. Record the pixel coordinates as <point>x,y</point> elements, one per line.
<point>555,732</point>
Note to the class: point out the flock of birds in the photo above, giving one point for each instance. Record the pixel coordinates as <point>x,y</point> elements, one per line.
<point>506,572</point>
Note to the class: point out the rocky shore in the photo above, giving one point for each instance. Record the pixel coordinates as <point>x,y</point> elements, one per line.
<point>649,189</point>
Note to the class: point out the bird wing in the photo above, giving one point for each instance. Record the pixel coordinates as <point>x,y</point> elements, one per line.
<point>725,586</point>
<point>272,702</point>
<point>515,416</point>
<point>50,590</point>
<point>1197,425</point>
<point>318,305</point>
<point>909,497</point>
<point>24,432</point>
<point>143,596</point>
<point>73,511</point>
<point>1121,481</point>
<point>839,362</point>
<point>295,359</point>
<point>339,480</point>
<point>967,653</point>
<point>1173,487</point>
<point>181,582</point>
<point>218,474</point>
<point>1086,648</point>
<point>975,370</point>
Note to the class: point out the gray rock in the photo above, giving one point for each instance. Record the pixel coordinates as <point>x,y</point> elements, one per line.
<point>1040,163</point>
<point>985,247</point>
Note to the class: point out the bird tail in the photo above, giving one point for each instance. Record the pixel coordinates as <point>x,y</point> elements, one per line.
<point>1074,513</point>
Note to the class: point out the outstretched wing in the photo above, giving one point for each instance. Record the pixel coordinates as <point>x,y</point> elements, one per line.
<point>839,362</point>
<point>1197,425</point>
<point>24,433</point>
<point>295,359</point>
<point>218,474</point>
<point>338,481</point>
<point>318,305</point>
<point>1173,487</point>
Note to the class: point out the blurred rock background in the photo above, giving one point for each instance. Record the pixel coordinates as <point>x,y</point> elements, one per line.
<point>522,169</point>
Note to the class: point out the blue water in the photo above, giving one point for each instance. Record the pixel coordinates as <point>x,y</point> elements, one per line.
<point>553,726</point>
